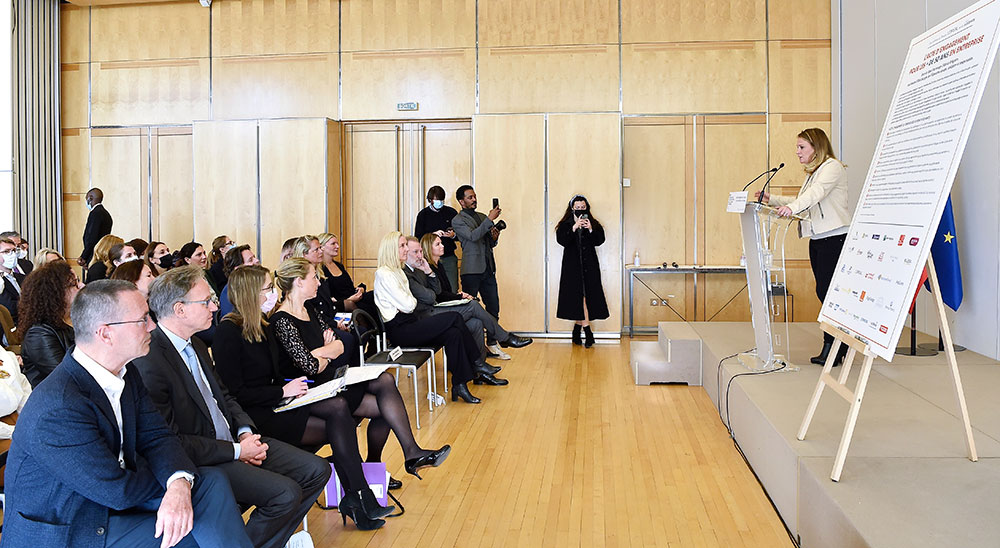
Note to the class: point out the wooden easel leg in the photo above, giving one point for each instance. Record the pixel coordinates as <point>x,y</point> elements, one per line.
<point>852,419</point>
<point>970,442</point>
<point>818,391</point>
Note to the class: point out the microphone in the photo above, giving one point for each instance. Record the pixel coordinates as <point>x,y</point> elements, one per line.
<point>772,170</point>
<point>763,189</point>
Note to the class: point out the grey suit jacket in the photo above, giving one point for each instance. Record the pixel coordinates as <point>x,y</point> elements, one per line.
<point>477,244</point>
<point>423,287</point>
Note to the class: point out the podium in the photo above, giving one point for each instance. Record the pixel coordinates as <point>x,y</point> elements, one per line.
<point>764,235</point>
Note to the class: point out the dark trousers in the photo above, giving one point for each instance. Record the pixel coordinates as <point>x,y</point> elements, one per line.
<point>484,286</point>
<point>217,521</point>
<point>446,330</point>
<point>283,489</point>
<point>823,256</point>
<point>476,320</point>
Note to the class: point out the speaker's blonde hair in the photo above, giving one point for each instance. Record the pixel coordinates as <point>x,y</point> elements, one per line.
<point>817,139</point>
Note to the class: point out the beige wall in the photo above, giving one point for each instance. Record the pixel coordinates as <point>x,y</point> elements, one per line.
<point>707,93</point>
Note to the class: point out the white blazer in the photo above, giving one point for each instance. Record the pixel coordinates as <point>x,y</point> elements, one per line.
<point>822,200</point>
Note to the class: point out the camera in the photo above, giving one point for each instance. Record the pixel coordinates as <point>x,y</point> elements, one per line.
<point>500,225</point>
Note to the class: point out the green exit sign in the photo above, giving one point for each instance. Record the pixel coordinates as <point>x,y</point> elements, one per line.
<point>413,105</point>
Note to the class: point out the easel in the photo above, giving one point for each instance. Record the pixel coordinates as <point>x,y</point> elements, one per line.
<point>855,397</point>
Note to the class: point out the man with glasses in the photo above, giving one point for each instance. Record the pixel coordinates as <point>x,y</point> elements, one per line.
<point>10,280</point>
<point>92,463</point>
<point>282,481</point>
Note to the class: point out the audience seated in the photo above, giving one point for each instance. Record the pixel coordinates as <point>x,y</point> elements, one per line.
<point>45,318</point>
<point>192,253</point>
<point>120,254</point>
<point>234,258</point>
<point>139,245</point>
<point>280,480</point>
<point>405,328</point>
<point>23,266</point>
<point>10,280</point>
<point>102,262</point>
<point>158,257</point>
<point>307,247</point>
<point>136,272</point>
<point>345,294</point>
<point>46,255</point>
<point>286,249</point>
<point>220,245</point>
<point>93,464</point>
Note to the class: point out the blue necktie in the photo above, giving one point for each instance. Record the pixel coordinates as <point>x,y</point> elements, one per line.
<point>218,420</point>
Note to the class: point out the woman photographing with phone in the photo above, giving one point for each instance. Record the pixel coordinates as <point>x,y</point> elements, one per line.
<point>581,296</point>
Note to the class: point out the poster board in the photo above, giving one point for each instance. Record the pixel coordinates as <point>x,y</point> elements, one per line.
<point>910,177</point>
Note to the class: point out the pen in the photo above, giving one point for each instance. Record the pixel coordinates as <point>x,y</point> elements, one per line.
<point>306,380</point>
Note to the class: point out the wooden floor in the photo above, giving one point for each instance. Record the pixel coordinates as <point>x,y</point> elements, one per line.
<point>572,453</point>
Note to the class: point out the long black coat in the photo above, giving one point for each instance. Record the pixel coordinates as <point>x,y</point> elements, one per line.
<point>581,273</point>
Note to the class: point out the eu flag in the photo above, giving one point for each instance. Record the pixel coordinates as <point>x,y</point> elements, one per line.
<point>944,250</point>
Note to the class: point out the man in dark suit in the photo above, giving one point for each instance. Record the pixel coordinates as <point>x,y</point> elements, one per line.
<point>24,266</point>
<point>10,281</point>
<point>99,224</point>
<point>281,480</point>
<point>92,463</point>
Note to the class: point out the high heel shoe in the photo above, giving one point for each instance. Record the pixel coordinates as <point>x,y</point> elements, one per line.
<point>821,358</point>
<point>351,506</point>
<point>460,390</point>
<point>372,508</point>
<point>486,378</point>
<point>434,458</point>
<point>394,484</point>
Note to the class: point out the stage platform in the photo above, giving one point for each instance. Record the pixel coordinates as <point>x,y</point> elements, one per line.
<point>907,481</point>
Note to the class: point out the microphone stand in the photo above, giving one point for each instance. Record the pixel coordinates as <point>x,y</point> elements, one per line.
<point>774,171</point>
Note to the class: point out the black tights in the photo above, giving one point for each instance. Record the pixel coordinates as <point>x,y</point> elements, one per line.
<point>330,421</point>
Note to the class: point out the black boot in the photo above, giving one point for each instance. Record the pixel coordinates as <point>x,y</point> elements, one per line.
<point>372,508</point>
<point>821,359</point>
<point>589,337</point>
<point>461,390</point>
<point>841,353</point>
<point>576,334</point>
<point>351,506</point>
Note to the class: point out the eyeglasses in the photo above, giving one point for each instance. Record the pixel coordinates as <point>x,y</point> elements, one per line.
<point>143,321</point>
<point>209,301</point>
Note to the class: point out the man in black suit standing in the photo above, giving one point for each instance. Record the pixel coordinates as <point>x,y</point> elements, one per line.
<point>281,480</point>
<point>10,281</point>
<point>98,225</point>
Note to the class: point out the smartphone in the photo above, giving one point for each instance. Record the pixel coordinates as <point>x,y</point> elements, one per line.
<point>496,203</point>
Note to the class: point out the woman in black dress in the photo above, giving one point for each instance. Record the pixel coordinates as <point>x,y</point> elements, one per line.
<point>581,296</point>
<point>46,296</point>
<point>246,359</point>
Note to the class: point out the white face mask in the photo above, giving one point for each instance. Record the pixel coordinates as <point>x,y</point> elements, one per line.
<point>22,254</point>
<point>130,258</point>
<point>10,259</point>
<point>269,301</point>
<point>438,204</point>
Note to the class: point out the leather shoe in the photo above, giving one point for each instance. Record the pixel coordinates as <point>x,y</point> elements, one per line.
<point>462,391</point>
<point>516,341</point>
<point>481,367</point>
<point>434,458</point>
<point>491,369</point>
<point>394,484</point>
<point>486,378</point>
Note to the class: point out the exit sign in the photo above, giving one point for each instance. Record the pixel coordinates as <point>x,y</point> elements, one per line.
<point>408,106</point>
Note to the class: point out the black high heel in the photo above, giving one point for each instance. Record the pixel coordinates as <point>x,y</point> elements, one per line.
<point>486,378</point>
<point>434,458</point>
<point>372,508</point>
<point>394,484</point>
<point>460,390</point>
<point>351,506</point>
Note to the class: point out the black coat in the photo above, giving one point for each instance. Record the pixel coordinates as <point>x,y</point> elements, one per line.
<point>581,273</point>
<point>43,348</point>
<point>99,225</point>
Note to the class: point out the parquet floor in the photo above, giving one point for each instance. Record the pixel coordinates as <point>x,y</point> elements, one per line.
<point>572,453</point>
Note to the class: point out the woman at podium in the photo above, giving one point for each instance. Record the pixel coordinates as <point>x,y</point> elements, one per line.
<point>822,201</point>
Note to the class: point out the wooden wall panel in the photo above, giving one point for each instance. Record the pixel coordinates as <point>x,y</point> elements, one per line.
<point>370,196</point>
<point>173,191</point>
<point>75,161</point>
<point>275,86</point>
<point>510,164</point>
<point>263,27</point>
<point>550,79</point>
<point>693,20</point>
<point>225,181</point>
<point>153,31</point>
<point>293,191</point>
<point>584,157</point>
<point>118,171</point>
<point>802,286</point>
<point>74,92</point>
<point>673,287</point>
<point>531,23</point>
<point>798,19</point>
<point>149,92</point>
<point>74,221</point>
<point>734,153</point>
<point>443,82</point>
<point>74,34</point>
<point>447,161</point>
<point>694,77</point>
<point>783,132</point>
<point>408,24</point>
<point>718,290</point>
<point>334,177</point>
<point>799,75</point>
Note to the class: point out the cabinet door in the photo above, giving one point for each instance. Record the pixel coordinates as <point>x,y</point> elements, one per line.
<point>584,157</point>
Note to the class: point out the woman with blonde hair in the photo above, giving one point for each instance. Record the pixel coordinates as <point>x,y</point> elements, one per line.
<point>823,202</point>
<point>396,305</point>
<point>337,279</point>
<point>45,256</point>
<point>307,247</point>
<point>102,262</point>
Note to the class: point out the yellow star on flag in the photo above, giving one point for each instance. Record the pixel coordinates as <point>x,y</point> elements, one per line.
<point>948,237</point>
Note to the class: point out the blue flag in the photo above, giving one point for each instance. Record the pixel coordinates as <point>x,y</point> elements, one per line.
<point>944,250</point>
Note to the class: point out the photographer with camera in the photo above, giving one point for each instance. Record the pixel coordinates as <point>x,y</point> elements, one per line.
<point>581,296</point>
<point>478,235</point>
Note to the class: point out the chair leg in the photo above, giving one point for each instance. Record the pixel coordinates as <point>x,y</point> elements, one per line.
<point>430,385</point>
<point>445,360</point>
<point>416,399</point>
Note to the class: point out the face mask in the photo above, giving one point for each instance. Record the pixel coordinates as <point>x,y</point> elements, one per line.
<point>225,249</point>
<point>10,259</point>
<point>22,254</point>
<point>166,261</point>
<point>269,301</point>
<point>130,259</point>
<point>437,204</point>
